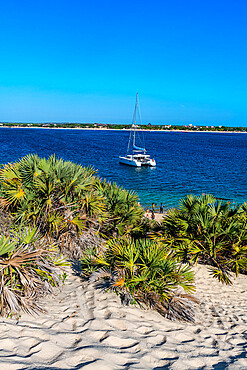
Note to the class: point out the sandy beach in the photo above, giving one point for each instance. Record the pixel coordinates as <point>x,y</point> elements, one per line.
<point>157,216</point>
<point>87,328</point>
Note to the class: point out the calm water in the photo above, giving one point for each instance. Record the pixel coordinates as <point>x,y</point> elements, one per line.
<point>186,162</point>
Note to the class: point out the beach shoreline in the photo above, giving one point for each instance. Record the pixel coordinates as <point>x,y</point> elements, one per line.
<point>114,129</point>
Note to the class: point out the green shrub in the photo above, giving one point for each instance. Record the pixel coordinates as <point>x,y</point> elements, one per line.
<point>141,272</point>
<point>29,269</point>
<point>64,198</point>
<point>209,231</point>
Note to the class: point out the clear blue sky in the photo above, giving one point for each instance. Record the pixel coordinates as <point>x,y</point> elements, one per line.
<point>83,61</point>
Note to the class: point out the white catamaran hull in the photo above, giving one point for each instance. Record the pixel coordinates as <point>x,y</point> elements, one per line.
<point>136,162</point>
<point>129,162</point>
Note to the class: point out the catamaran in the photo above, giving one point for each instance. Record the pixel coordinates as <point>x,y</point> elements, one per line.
<point>138,156</point>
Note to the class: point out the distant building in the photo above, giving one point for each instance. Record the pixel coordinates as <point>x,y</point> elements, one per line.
<point>100,125</point>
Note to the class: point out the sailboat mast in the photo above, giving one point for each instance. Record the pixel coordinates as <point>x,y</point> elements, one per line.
<point>134,141</point>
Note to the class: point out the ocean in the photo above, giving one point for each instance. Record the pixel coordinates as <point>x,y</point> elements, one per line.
<point>187,162</point>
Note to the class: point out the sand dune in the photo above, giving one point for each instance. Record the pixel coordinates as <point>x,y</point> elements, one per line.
<point>87,328</point>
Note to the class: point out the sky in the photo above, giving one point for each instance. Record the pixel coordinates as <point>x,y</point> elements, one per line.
<point>84,61</point>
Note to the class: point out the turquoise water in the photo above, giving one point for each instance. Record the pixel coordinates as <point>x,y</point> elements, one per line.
<point>186,162</point>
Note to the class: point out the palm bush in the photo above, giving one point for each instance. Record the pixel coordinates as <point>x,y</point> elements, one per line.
<point>63,198</point>
<point>43,191</point>
<point>209,231</point>
<point>29,269</point>
<point>123,212</point>
<point>141,272</point>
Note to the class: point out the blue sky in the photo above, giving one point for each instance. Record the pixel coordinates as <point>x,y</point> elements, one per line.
<point>83,61</point>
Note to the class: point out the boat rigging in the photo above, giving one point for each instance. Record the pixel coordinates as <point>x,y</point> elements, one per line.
<point>138,157</point>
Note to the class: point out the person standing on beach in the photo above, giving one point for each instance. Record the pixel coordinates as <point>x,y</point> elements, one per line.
<point>152,215</point>
<point>153,206</point>
<point>161,208</point>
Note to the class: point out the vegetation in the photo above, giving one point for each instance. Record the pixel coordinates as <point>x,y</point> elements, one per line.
<point>69,206</point>
<point>206,230</point>
<point>141,272</point>
<point>123,214</point>
<point>50,206</point>
<point>64,199</point>
<point>167,126</point>
<point>28,270</point>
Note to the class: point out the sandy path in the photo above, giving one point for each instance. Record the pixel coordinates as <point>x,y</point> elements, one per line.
<point>86,328</point>
<point>158,216</point>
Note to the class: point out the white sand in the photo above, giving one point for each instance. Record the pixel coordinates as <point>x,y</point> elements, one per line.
<point>157,216</point>
<point>86,328</point>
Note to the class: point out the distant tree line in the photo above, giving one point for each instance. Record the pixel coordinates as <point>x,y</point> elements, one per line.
<point>148,126</point>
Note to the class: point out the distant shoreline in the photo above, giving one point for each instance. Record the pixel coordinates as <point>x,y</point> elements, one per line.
<point>129,129</point>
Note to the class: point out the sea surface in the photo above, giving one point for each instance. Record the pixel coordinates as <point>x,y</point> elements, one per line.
<point>187,162</point>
